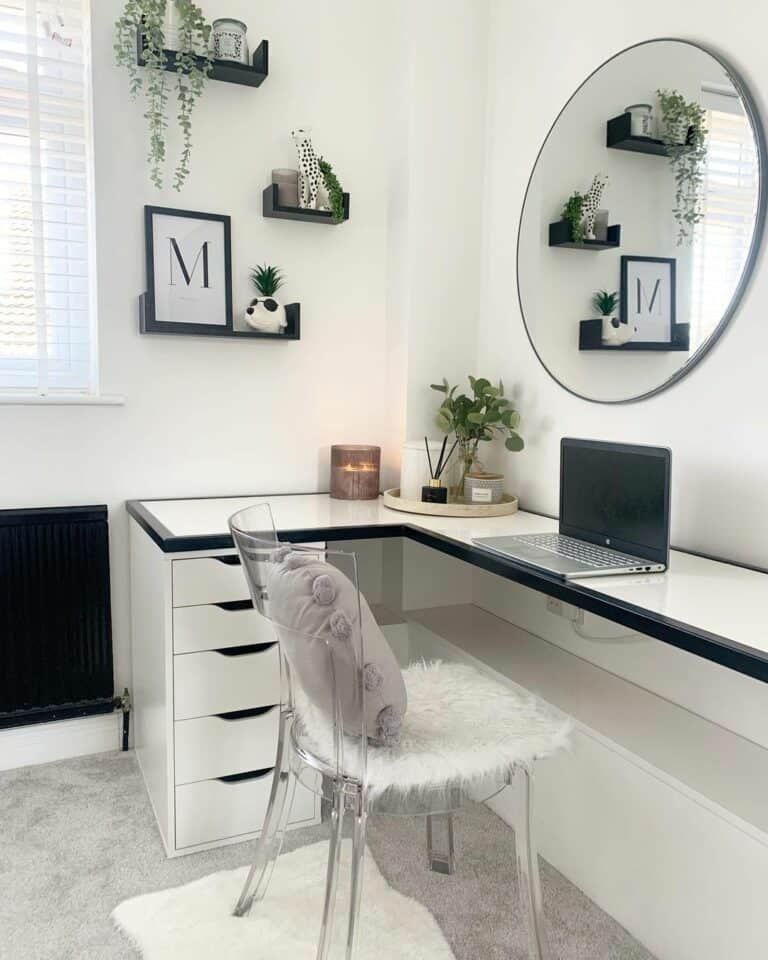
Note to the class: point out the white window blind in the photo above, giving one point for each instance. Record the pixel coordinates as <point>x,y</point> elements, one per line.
<point>47,341</point>
<point>730,192</point>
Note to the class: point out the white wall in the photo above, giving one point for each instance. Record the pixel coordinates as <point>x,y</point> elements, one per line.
<point>204,416</point>
<point>386,92</point>
<point>712,420</point>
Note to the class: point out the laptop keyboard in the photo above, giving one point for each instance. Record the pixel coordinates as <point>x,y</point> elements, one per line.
<point>588,553</point>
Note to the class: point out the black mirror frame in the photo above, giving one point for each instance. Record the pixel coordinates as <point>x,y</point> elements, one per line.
<point>750,108</point>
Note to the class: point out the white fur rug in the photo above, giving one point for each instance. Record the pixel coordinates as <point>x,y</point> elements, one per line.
<point>195,922</point>
<point>461,726</point>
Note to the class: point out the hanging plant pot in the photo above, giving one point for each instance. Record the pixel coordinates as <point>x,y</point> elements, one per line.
<point>178,25</point>
<point>684,134</point>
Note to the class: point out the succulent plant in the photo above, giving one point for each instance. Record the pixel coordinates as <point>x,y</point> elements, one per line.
<point>267,279</point>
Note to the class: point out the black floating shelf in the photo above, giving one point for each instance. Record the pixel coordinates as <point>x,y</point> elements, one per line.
<point>561,235</point>
<point>292,331</point>
<point>591,338</point>
<point>228,71</point>
<point>271,208</point>
<point>618,136</point>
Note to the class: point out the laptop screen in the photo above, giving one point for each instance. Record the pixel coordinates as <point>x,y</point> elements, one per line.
<point>616,495</point>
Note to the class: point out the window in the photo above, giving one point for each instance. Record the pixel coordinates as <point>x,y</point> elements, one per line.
<point>47,328</point>
<point>730,191</point>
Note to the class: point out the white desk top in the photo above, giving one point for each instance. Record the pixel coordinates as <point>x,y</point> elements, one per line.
<point>701,605</point>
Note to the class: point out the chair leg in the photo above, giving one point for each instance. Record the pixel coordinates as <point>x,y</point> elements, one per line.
<point>275,822</point>
<point>356,888</point>
<point>440,862</point>
<point>332,875</point>
<point>521,781</point>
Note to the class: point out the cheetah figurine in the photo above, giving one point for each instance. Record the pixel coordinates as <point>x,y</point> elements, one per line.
<point>591,203</point>
<point>309,169</point>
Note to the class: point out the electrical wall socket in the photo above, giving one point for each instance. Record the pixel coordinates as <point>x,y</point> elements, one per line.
<point>566,610</point>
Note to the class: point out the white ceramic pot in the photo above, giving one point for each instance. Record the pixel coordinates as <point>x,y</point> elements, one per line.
<point>616,332</point>
<point>266,315</point>
<point>172,26</point>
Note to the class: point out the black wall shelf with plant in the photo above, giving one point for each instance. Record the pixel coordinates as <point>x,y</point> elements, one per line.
<point>618,136</point>
<point>591,338</point>
<point>228,71</point>
<point>273,210</point>
<point>561,235</point>
<point>292,331</point>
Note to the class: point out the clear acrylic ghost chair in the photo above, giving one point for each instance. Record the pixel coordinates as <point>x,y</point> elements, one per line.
<point>334,761</point>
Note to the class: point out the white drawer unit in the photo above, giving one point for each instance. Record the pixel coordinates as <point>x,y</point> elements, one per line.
<point>216,626</point>
<point>209,747</point>
<point>223,681</point>
<point>221,809</point>
<point>206,692</point>
<point>208,580</point>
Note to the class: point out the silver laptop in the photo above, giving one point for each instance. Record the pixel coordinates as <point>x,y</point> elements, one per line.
<point>614,514</point>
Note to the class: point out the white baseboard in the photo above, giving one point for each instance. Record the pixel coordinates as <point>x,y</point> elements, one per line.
<point>45,742</point>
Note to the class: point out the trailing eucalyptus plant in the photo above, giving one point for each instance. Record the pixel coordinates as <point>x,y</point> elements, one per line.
<point>486,414</point>
<point>684,133</point>
<point>145,18</point>
<point>573,212</point>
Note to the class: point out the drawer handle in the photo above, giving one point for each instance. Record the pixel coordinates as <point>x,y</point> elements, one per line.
<point>232,605</point>
<point>244,651</point>
<point>245,714</point>
<point>250,775</point>
<point>232,560</point>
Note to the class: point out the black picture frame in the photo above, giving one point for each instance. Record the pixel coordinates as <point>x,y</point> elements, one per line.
<point>149,323</point>
<point>679,333</point>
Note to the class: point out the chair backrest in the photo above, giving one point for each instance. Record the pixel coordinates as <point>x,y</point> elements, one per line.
<point>312,599</point>
<point>336,660</point>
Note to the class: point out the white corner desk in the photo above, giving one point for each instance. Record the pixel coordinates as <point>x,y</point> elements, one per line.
<point>206,678</point>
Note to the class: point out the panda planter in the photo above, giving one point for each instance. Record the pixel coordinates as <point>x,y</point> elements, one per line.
<point>266,315</point>
<point>616,332</point>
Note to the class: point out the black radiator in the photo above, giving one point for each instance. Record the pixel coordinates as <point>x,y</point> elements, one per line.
<point>55,623</point>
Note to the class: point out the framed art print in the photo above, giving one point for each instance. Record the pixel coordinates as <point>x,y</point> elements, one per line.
<point>649,303</point>
<point>189,272</point>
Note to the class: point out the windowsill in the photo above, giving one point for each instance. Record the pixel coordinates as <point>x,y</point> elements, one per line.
<point>60,400</point>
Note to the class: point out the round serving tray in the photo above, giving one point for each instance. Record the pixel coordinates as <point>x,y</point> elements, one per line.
<point>508,505</point>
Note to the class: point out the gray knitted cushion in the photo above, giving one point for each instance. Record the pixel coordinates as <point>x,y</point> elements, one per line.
<point>314,607</point>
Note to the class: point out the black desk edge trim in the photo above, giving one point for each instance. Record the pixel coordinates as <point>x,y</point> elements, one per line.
<point>701,643</point>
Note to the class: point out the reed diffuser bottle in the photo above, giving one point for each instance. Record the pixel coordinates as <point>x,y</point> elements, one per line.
<point>435,492</point>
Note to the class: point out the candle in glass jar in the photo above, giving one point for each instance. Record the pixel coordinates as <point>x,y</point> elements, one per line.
<point>355,471</point>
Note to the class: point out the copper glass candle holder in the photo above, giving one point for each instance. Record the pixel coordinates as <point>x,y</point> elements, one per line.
<point>355,471</point>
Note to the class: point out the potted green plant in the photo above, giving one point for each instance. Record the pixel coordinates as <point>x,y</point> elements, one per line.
<point>573,212</point>
<point>486,414</point>
<point>265,312</point>
<point>684,133</point>
<point>334,188</point>
<point>605,303</point>
<point>148,20</point>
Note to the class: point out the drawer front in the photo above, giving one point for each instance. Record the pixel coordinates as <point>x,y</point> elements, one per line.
<point>209,747</point>
<point>208,580</point>
<point>222,682</point>
<point>215,627</point>
<point>217,810</point>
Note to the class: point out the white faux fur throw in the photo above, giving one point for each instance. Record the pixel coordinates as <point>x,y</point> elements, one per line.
<point>461,727</point>
<point>195,922</point>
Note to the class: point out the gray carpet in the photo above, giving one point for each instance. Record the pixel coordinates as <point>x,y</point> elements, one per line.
<point>77,837</point>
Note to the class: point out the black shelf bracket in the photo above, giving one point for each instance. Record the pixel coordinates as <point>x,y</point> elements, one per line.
<point>227,71</point>
<point>292,331</point>
<point>272,209</point>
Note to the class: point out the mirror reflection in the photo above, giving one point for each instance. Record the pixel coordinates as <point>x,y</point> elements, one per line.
<point>639,225</point>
